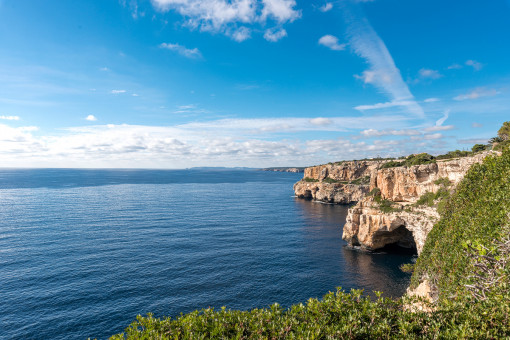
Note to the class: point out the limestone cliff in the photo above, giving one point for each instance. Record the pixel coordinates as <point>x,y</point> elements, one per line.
<point>341,183</point>
<point>407,184</point>
<point>330,192</point>
<point>401,222</point>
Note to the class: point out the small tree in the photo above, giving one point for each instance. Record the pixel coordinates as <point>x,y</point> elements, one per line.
<point>478,147</point>
<point>504,131</point>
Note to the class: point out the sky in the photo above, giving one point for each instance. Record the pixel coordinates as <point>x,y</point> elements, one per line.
<point>249,83</point>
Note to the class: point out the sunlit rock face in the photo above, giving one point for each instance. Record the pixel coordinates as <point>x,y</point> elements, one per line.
<point>402,184</point>
<point>330,192</point>
<point>344,171</point>
<point>340,183</point>
<point>370,228</point>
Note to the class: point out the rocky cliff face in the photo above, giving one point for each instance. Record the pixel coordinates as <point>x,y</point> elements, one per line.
<point>341,183</point>
<point>344,171</point>
<point>369,227</point>
<point>402,223</point>
<point>402,184</point>
<point>330,192</point>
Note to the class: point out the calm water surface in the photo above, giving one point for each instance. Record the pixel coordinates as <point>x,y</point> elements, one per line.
<point>82,252</point>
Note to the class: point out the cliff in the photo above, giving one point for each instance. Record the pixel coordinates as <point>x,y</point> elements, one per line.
<point>402,210</point>
<point>341,183</point>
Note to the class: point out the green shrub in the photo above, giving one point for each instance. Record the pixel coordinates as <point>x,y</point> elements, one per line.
<point>443,182</point>
<point>476,213</point>
<point>308,179</point>
<point>478,148</point>
<point>454,154</point>
<point>375,192</point>
<point>419,159</point>
<point>426,199</point>
<point>504,131</point>
<point>330,180</point>
<point>361,181</point>
<point>392,164</point>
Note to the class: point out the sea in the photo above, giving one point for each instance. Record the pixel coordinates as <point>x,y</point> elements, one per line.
<point>83,252</point>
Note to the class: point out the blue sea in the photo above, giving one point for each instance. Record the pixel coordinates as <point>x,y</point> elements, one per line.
<point>82,252</point>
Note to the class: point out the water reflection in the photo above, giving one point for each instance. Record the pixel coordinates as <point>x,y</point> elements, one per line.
<point>348,268</point>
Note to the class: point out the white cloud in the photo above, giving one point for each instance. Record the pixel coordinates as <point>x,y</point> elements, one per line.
<point>321,121</point>
<point>474,64</point>
<point>477,93</point>
<point>193,53</point>
<point>477,125</point>
<point>104,69</point>
<point>439,128</point>
<point>326,7</point>
<point>454,67</point>
<point>275,35</point>
<point>431,100</point>
<point>226,16</point>
<point>382,105</point>
<point>473,141</point>
<point>91,118</point>
<point>429,74</point>
<point>9,117</point>
<point>240,34</point>
<point>389,132</point>
<point>117,91</point>
<point>441,120</point>
<point>383,73</point>
<point>331,42</point>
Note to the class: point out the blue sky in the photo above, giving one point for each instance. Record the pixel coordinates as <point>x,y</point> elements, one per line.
<point>183,83</point>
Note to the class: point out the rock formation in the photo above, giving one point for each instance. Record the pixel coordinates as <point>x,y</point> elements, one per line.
<point>401,222</point>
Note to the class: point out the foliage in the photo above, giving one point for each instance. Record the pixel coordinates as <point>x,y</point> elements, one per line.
<point>338,315</point>
<point>361,181</point>
<point>503,145</point>
<point>495,140</point>
<point>478,148</point>
<point>426,199</point>
<point>418,159</point>
<point>392,164</point>
<point>454,154</point>
<point>504,131</point>
<point>330,180</point>
<point>476,213</point>
<point>407,267</point>
<point>308,179</point>
<point>375,192</point>
<point>443,182</point>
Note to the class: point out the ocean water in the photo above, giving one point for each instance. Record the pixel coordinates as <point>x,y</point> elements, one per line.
<point>82,252</point>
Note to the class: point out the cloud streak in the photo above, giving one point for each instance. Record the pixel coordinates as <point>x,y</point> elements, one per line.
<point>382,72</point>
<point>192,53</point>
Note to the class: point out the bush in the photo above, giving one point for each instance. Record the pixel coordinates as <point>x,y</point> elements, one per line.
<point>478,148</point>
<point>426,199</point>
<point>419,159</point>
<point>477,213</point>
<point>308,179</point>
<point>504,131</point>
<point>454,154</point>
<point>391,164</point>
<point>361,181</point>
<point>330,180</point>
